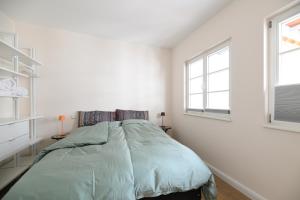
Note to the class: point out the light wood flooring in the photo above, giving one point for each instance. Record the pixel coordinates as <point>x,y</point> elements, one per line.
<point>227,192</point>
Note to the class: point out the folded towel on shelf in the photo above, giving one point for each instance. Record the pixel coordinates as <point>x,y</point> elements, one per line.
<point>5,93</point>
<point>20,91</point>
<point>8,87</point>
<point>7,84</point>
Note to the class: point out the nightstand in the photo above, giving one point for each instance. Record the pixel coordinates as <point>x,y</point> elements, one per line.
<point>58,137</point>
<point>165,128</point>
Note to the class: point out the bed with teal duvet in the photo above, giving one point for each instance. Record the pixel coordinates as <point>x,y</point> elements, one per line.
<point>132,159</point>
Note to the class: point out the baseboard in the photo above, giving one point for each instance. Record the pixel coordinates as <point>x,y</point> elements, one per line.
<point>237,185</point>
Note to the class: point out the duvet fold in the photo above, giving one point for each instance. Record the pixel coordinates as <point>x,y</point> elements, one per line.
<point>89,135</point>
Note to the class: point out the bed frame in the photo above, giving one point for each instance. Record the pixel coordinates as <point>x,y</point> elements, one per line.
<point>190,195</point>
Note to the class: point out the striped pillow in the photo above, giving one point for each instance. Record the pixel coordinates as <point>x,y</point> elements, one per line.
<point>131,114</point>
<point>89,118</point>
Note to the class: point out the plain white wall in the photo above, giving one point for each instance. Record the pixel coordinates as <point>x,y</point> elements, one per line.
<point>7,25</point>
<point>266,161</point>
<point>81,72</point>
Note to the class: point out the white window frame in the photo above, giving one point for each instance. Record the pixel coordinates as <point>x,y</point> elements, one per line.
<point>208,113</point>
<point>273,66</point>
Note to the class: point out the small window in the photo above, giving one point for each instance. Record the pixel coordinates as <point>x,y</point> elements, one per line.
<point>207,81</point>
<point>284,67</point>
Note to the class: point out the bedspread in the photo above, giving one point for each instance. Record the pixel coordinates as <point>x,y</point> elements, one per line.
<point>114,160</point>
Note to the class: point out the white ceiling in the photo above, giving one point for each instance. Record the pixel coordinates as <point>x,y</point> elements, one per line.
<point>154,22</point>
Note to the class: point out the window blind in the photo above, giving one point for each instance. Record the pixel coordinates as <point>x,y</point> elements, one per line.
<point>287,103</point>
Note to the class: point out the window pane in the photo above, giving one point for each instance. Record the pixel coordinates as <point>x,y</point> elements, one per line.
<point>218,81</point>
<point>218,100</point>
<point>289,37</point>
<point>218,60</point>
<point>289,68</point>
<point>289,51</point>
<point>196,85</point>
<point>196,68</point>
<point>196,101</point>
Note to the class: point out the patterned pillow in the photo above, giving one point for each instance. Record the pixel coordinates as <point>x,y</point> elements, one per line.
<point>131,114</point>
<point>89,118</point>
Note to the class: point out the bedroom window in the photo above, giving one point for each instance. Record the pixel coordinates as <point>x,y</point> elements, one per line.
<point>284,68</point>
<point>207,81</point>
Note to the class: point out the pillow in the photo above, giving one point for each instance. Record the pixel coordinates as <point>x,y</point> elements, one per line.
<point>131,114</point>
<point>89,118</point>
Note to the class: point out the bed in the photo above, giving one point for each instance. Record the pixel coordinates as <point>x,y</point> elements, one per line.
<point>128,159</point>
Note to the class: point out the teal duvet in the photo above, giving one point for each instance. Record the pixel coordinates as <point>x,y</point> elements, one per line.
<point>114,160</point>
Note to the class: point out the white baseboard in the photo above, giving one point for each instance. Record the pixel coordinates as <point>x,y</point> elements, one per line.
<point>237,185</point>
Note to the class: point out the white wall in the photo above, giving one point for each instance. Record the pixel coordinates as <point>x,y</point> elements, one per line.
<point>81,72</point>
<point>266,161</point>
<point>6,24</point>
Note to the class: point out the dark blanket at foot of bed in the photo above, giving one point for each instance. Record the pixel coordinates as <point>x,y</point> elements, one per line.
<point>189,195</point>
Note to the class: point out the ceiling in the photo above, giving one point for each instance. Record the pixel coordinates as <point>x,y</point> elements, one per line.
<point>160,23</point>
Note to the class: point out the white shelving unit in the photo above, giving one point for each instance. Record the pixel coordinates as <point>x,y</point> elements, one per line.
<point>8,52</point>
<point>8,72</point>
<point>13,96</point>
<point>17,133</point>
<point>7,121</point>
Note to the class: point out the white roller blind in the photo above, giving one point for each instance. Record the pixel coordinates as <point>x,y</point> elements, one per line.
<point>287,103</point>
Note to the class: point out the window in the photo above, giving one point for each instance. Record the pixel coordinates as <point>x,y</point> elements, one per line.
<point>284,67</point>
<point>207,81</point>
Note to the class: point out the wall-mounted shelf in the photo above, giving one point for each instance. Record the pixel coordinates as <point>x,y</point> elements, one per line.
<point>7,121</point>
<point>29,72</point>
<point>8,52</point>
<point>12,96</point>
<point>7,72</point>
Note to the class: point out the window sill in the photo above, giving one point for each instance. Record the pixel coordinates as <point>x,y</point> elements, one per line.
<point>221,117</point>
<point>282,127</point>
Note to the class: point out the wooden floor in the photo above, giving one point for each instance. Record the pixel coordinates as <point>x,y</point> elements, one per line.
<point>226,192</point>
